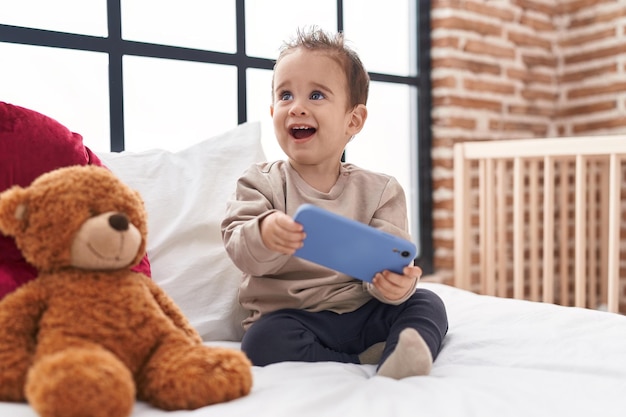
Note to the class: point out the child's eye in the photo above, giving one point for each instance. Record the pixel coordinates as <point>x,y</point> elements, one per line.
<point>286,95</point>
<point>316,95</point>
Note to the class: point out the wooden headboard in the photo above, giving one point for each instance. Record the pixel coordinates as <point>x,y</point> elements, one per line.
<point>542,219</point>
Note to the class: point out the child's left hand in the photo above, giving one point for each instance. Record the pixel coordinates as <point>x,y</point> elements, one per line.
<point>395,286</point>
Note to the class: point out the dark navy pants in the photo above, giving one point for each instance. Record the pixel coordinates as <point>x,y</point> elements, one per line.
<point>297,335</point>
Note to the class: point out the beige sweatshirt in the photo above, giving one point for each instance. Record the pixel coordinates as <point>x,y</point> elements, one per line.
<point>273,281</point>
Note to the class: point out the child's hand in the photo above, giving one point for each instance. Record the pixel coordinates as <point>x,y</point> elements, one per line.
<point>281,233</point>
<point>395,286</point>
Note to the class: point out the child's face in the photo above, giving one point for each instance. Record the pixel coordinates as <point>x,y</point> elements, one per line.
<point>312,120</point>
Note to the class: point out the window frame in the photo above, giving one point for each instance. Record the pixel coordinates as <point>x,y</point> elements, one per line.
<point>116,47</point>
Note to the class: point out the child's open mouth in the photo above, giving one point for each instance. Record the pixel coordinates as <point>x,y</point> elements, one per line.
<point>302,132</point>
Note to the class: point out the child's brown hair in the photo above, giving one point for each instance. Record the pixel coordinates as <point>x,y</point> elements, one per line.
<point>315,39</point>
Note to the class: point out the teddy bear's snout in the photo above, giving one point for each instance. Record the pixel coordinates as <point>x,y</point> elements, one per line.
<point>106,241</point>
<point>119,222</point>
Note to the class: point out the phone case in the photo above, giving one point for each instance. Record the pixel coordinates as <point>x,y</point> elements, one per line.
<point>349,246</point>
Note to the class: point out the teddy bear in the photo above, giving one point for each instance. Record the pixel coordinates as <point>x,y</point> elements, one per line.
<point>89,336</point>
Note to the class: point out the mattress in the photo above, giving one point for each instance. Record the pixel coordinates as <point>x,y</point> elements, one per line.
<point>501,357</point>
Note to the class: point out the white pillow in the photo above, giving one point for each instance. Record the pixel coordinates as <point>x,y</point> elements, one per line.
<point>185,195</point>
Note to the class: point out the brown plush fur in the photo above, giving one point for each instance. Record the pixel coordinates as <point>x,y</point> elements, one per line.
<point>89,340</point>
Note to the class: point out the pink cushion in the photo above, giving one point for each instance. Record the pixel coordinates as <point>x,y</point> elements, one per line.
<point>30,145</point>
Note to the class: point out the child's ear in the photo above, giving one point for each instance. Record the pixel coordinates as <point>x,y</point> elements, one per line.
<point>358,115</point>
<point>271,110</point>
<point>13,207</point>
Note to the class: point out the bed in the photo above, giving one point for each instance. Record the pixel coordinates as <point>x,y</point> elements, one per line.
<point>501,357</point>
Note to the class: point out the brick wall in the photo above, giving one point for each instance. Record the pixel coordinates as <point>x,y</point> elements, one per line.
<point>510,69</point>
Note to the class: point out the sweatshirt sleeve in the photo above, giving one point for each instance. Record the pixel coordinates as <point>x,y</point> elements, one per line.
<point>254,199</point>
<point>391,216</point>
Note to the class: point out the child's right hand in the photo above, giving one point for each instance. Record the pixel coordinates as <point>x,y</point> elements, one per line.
<point>281,233</point>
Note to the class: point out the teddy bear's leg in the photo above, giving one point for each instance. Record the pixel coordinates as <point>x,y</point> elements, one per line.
<point>78,382</point>
<point>13,368</point>
<point>189,376</point>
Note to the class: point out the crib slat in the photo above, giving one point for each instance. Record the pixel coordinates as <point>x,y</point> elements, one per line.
<point>580,253</point>
<point>533,206</point>
<point>604,229</point>
<point>548,230</point>
<point>614,233</point>
<point>592,237</point>
<point>482,217</point>
<point>501,228</point>
<point>487,211</point>
<point>564,235</point>
<point>518,228</point>
<point>461,219</point>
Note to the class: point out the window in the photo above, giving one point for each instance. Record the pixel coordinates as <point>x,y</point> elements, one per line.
<point>139,74</point>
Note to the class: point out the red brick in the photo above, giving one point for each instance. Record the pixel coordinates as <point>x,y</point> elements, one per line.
<point>531,110</point>
<point>468,103</point>
<point>468,25</point>
<point>466,64</point>
<point>488,10</point>
<point>442,163</point>
<point>588,108</point>
<point>447,183</point>
<point>597,71</point>
<point>443,224</point>
<point>540,61</point>
<point>590,20</point>
<point>525,39</point>
<point>618,122</point>
<point>443,142</point>
<point>530,76</point>
<point>547,9</point>
<point>443,82</point>
<point>444,204</point>
<point>537,129</point>
<point>578,39</point>
<point>486,48</point>
<point>540,25</point>
<point>612,51</point>
<point>611,88</point>
<point>490,87</point>
<point>446,4</point>
<point>445,42</point>
<point>534,94</point>
<point>567,7</point>
<point>459,122</point>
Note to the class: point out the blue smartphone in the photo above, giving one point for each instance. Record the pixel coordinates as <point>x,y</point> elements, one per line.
<point>351,247</point>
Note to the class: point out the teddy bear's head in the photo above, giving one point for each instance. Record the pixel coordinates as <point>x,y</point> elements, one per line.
<point>78,216</point>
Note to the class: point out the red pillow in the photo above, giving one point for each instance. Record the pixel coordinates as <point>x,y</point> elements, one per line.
<point>30,145</point>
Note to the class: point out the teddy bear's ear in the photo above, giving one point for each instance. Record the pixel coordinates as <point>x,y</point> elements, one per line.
<point>140,197</point>
<point>13,206</point>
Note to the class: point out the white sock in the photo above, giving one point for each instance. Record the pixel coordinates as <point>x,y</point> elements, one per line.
<point>372,354</point>
<point>411,357</point>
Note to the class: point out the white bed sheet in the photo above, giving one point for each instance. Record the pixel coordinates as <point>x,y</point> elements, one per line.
<point>501,357</point>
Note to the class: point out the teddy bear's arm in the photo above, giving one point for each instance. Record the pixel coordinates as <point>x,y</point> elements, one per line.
<point>171,310</point>
<point>19,323</point>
